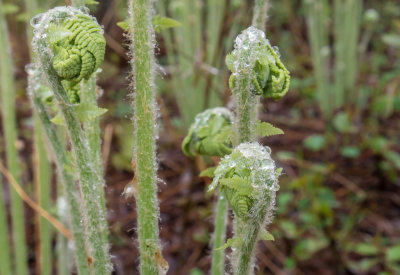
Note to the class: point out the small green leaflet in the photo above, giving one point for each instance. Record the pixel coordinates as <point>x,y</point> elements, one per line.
<point>84,111</point>
<point>241,185</point>
<point>233,242</point>
<point>161,23</point>
<point>266,236</point>
<point>265,129</point>
<point>209,172</point>
<point>58,120</point>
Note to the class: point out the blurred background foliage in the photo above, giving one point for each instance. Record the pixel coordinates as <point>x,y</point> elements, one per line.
<point>338,210</point>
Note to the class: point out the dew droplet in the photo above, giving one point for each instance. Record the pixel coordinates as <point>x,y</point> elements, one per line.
<point>35,21</point>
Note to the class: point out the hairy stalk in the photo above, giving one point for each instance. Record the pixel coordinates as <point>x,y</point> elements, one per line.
<point>67,179</point>
<point>42,173</point>
<point>218,259</point>
<point>260,15</point>
<point>145,132</point>
<point>92,129</point>
<point>10,136</point>
<point>89,178</point>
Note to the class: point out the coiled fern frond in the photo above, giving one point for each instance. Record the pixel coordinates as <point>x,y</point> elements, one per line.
<point>78,46</point>
<point>210,134</point>
<point>268,75</point>
<point>248,178</point>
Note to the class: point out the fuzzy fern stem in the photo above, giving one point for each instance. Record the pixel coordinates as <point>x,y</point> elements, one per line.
<point>260,14</point>
<point>7,100</point>
<point>67,180</point>
<point>144,157</point>
<point>89,178</point>
<point>89,95</point>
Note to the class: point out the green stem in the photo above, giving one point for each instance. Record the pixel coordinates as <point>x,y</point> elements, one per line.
<point>78,3</point>
<point>218,260</point>
<point>317,22</point>
<point>5,255</point>
<point>42,172</point>
<point>248,232</point>
<point>10,134</point>
<point>145,135</point>
<point>89,178</point>
<point>92,130</point>
<point>260,14</point>
<point>43,183</point>
<point>246,109</point>
<point>67,180</point>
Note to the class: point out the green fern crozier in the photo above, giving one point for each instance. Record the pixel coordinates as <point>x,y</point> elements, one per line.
<point>78,46</point>
<point>269,76</point>
<point>247,176</point>
<point>210,134</point>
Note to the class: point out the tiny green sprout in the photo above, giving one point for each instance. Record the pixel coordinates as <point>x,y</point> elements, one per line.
<point>210,134</point>
<point>246,176</point>
<point>268,75</point>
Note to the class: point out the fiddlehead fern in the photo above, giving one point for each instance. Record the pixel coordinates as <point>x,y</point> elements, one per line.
<point>52,34</point>
<point>248,178</point>
<point>255,58</point>
<point>210,133</point>
<point>78,46</point>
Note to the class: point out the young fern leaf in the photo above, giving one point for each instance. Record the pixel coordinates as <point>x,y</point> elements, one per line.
<point>70,55</point>
<point>210,134</point>
<point>268,75</point>
<point>78,46</point>
<point>265,129</point>
<point>248,178</point>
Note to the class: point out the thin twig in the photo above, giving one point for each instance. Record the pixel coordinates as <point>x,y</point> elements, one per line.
<point>25,197</point>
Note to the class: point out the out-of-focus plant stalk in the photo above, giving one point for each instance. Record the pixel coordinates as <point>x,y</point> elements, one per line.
<point>317,22</point>
<point>5,255</point>
<point>42,175</point>
<point>10,135</point>
<point>218,260</point>
<point>347,19</point>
